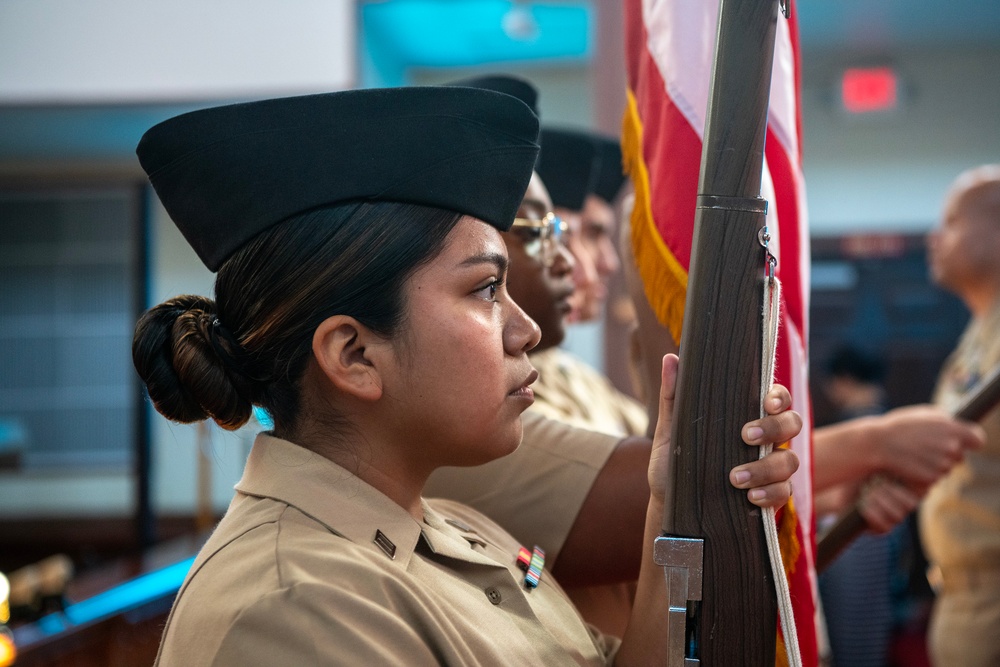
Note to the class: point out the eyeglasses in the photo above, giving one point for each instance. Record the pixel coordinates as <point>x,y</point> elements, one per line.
<point>545,237</point>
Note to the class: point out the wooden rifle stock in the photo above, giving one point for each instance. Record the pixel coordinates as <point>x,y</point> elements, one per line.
<point>718,385</point>
<point>977,403</point>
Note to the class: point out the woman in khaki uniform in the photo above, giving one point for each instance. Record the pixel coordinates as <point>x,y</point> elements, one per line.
<point>360,299</point>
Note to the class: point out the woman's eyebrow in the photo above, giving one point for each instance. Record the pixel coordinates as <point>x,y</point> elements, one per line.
<point>497,259</point>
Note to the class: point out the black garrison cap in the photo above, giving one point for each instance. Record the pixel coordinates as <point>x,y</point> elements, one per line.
<point>227,173</point>
<point>608,176</point>
<point>514,86</point>
<point>566,165</point>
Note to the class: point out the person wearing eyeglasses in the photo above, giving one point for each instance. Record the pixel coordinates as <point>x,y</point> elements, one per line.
<point>572,164</point>
<point>541,272</point>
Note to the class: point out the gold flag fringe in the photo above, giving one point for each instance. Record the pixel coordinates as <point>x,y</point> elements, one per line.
<point>791,549</point>
<point>663,277</point>
<point>781,652</point>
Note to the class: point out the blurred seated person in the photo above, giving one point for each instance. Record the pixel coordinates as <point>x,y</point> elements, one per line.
<point>854,382</point>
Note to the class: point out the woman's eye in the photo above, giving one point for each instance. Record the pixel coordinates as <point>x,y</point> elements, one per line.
<point>488,292</point>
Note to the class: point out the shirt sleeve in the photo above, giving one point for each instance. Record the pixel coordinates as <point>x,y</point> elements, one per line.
<point>313,625</point>
<point>536,492</point>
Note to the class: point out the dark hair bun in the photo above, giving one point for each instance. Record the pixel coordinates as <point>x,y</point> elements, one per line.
<point>187,380</point>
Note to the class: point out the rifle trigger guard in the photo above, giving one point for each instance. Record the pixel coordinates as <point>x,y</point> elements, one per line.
<point>682,559</point>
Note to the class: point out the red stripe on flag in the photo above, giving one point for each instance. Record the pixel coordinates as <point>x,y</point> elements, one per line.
<point>789,231</point>
<point>671,145</point>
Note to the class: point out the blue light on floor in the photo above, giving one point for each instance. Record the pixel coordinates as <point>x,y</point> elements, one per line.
<point>130,594</point>
<point>124,597</point>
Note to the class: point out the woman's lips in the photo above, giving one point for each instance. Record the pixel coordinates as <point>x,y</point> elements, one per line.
<point>524,390</point>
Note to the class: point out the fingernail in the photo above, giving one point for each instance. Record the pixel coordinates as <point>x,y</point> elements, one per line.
<point>757,494</point>
<point>776,402</point>
<point>741,476</point>
<point>755,433</point>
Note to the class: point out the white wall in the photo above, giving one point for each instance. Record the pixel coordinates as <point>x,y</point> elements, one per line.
<point>889,173</point>
<point>175,50</point>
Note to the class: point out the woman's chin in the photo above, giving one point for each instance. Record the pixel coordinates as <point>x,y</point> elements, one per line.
<point>489,446</point>
<point>506,445</point>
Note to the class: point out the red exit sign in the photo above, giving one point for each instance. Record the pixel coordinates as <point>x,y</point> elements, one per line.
<point>869,89</point>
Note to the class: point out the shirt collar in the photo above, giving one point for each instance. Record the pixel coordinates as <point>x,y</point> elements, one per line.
<point>331,495</point>
<point>454,539</point>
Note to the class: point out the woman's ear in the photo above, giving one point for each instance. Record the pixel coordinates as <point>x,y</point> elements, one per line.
<point>348,354</point>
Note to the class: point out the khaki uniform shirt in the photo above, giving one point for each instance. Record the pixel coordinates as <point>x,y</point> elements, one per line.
<point>536,492</point>
<point>311,566</point>
<point>570,391</point>
<point>569,433</point>
<point>960,517</point>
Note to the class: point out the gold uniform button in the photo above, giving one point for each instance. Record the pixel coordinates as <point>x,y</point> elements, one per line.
<point>493,594</point>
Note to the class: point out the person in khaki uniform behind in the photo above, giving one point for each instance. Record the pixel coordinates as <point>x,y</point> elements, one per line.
<point>582,172</point>
<point>960,518</point>
<point>360,300</point>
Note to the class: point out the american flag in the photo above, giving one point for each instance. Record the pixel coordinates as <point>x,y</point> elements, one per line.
<point>670,46</point>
